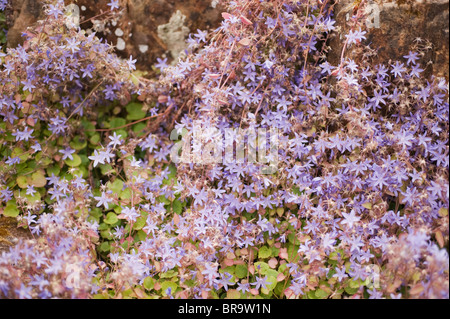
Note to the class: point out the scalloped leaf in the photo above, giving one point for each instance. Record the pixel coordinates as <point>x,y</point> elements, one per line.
<point>149,283</point>
<point>76,161</point>
<point>177,207</point>
<point>139,223</point>
<point>38,179</point>
<point>115,186</point>
<point>111,218</point>
<point>241,271</point>
<point>11,209</point>
<point>22,181</point>
<point>233,294</point>
<point>135,111</point>
<point>78,143</point>
<point>168,284</point>
<point>264,252</point>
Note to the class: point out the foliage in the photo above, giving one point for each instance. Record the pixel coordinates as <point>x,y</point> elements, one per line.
<point>355,206</point>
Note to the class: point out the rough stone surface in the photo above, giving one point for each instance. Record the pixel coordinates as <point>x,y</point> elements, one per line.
<point>21,14</point>
<point>393,26</point>
<point>153,28</point>
<point>147,29</point>
<point>10,234</point>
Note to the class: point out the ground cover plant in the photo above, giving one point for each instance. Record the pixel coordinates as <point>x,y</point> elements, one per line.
<point>252,168</point>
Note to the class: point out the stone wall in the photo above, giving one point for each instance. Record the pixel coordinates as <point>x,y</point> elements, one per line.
<point>151,28</point>
<point>393,26</point>
<point>147,29</point>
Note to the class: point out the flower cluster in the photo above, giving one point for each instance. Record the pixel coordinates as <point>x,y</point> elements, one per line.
<point>58,261</point>
<point>351,199</point>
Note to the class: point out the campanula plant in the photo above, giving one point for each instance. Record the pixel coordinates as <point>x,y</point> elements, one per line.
<point>250,168</point>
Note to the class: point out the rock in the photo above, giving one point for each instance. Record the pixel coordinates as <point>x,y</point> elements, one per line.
<point>394,25</point>
<point>150,29</point>
<point>146,29</point>
<point>10,234</point>
<point>21,14</point>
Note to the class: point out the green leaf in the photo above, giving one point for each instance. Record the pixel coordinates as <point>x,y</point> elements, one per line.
<point>139,223</point>
<point>230,270</point>
<point>33,198</point>
<point>11,209</point>
<point>135,111</point>
<point>89,128</point>
<point>22,181</point>
<point>115,186</point>
<point>105,246</point>
<point>264,252</point>
<point>78,143</point>
<point>321,294</point>
<point>262,267</point>
<point>279,288</point>
<point>111,218</point>
<point>296,190</point>
<point>177,207</point>
<point>53,170</point>
<point>168,274</point>
<point>149,283</point>
<point>271,282</point>
<point>233,294</point>
<point>311,294</point>
<point>168,284</point>
<point>293,255</point>
<point>76,161</point>
<point>96,213</point>
<point>241,271</point>
<point>351,291</point>
<point>271,272</point>
<point>18,152</point>
<point>125,194</point>
<point>292,237</point>
<point>139,129</point>
<point>333,255</point>
<point>117,122</point>
<point>141,235</point>
<point>275,251</point>
<point>354,283</point>
<point>106,234</point>
<point>163,199</point>
<point>95,139</point>
<point>105,169</point>
<point>443,212</point>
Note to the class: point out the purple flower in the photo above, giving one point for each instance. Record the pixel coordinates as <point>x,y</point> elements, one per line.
<point>260,282</point>
<point>114,4</point>
<point>72,44</point>
<point>340,274</point>
<point>412,57</point>
<point>162,64</point>
<point>201,35</point>
<point>350,219</point>
<point>23,135</point>
<point>54,10</point>
<point>103,200</point>
<point>130,214</point>
<point>398,69</point>
<point>131,63</point>
<point>24,292</point>
<point>11,161</point>
<point>415,71</point>
<point>67,153</point>
<point>355,36</point>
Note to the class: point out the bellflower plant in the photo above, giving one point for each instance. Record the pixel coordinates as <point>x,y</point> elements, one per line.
<point>250,168</point>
